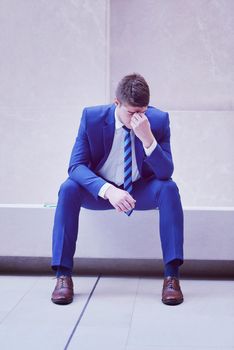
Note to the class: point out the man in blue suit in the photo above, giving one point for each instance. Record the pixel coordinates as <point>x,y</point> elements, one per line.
<point>121,160</point>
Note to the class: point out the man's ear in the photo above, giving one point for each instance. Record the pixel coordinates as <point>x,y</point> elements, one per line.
<point>116,101</point>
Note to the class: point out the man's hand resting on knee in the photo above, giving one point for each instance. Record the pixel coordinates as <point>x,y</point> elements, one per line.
<point>120,199</point>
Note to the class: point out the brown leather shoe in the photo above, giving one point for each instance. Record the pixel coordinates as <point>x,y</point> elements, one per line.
<point>63,292</point>
<point>171,293</point>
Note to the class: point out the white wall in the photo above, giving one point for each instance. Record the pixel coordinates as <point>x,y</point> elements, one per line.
<point>54,61</point>
<point>185,50</point>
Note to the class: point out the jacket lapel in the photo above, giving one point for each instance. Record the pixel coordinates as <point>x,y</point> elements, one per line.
<point>108,132</point>
<point>140,154</point>
<point>139,150</point>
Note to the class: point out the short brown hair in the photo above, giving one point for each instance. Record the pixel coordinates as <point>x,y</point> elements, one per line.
<point>133,90</point>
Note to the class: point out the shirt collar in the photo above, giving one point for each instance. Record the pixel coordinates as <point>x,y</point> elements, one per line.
<point>118,123</point>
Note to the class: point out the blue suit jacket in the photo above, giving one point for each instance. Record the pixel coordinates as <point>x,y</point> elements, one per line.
<point>94,141</point>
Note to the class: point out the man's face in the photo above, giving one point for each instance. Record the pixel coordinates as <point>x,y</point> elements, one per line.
<point>125,112</point>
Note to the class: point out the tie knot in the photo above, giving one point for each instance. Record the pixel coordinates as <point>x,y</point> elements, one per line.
<point>125,128</point>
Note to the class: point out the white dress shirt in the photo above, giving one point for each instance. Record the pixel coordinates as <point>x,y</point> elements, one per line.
<point>113,168</point>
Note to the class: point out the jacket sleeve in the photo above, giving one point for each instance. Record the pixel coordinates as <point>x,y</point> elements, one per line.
<point>160,161</point>
<point>80,161</point>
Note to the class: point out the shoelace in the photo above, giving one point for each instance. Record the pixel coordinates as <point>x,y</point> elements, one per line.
<point>170,284</point>
<point>62,282</point>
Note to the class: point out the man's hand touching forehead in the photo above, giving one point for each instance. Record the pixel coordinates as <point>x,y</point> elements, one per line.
<point>141,128</point>
<point>139,120</point>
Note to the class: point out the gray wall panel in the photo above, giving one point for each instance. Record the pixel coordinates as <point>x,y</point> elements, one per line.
<point>184,48</point>
<point>202,147</point>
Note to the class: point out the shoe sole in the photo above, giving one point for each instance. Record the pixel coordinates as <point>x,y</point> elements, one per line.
<point>172,302</point>
<point>62,302</point>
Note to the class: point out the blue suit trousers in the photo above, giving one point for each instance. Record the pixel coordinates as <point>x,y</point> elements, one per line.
<point>149,194</point>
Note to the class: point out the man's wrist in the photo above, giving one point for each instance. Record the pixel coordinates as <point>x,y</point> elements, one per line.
<point>106,196</point>
<point>147,143</point>
<point>103,190</point>
<point>151,148</point>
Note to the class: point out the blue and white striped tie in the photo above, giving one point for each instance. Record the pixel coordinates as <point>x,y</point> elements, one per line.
<point>127,164</point>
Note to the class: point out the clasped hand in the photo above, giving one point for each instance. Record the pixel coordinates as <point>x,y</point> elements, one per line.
<point>121,200</point>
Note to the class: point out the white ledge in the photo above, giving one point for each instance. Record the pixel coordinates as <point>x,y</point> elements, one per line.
<point>53,205</point>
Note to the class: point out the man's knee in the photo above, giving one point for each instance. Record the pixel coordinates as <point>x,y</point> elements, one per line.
<point>169,188</point>
<point>69,188</point>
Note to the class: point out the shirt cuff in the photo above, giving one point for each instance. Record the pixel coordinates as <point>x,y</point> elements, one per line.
<point>103,189</point>
<point>151,148</point>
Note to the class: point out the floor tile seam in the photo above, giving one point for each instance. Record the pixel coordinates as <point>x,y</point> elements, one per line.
<point>133,308</point>
<point>82,313</point>
<point>18,302</point>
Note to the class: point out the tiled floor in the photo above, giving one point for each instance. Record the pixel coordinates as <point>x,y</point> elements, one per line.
<point>115,313</point>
